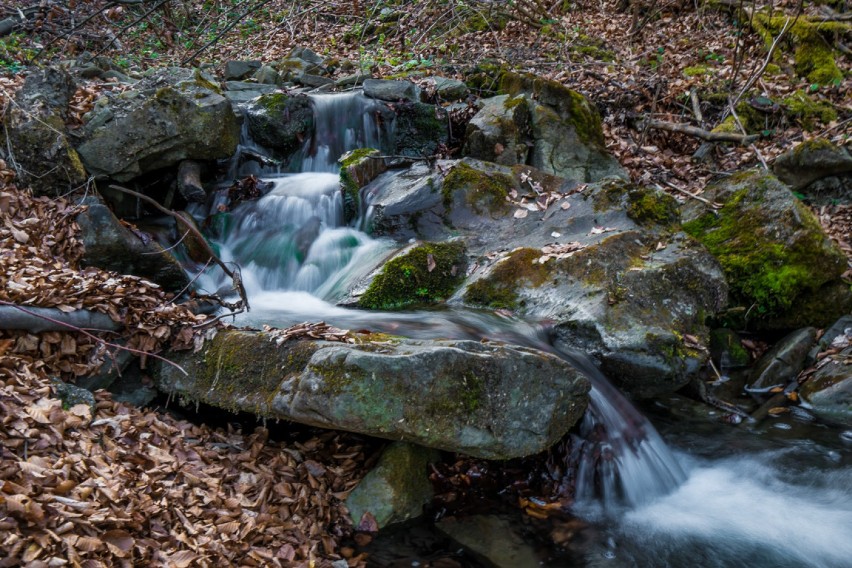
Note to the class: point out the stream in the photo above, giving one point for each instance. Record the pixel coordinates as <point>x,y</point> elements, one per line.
<point>669,491</point>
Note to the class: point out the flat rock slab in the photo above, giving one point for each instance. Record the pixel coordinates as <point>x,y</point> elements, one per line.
<point>486,400</point>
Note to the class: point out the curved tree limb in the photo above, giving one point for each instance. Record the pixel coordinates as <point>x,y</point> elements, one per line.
<point>37,319</point>
<point>700,132</point>
<point>234,275</point>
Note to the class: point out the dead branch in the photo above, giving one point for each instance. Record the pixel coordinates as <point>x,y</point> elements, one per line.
<point>37,319</point>
<point>699,132</point>
<point>64,325</point>
<point>234,275</point>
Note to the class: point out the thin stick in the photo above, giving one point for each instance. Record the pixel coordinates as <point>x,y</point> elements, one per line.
<point>234,275</point>
<point>692,195</point>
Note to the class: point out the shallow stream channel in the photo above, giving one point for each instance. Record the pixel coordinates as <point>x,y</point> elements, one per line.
<point>665,485</point>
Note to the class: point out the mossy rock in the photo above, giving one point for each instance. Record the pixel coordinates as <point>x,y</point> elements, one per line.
<point>499,289</point>
<point>643,205</point>
<point>280,122</point>
<point>424,274</point>
<point>771,247</point>
<point>357,168</point>
<point>420,129</point>
<point>483,191</point>
<point>802,108</point>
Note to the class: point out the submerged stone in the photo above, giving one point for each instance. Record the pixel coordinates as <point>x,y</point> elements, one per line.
<point>487,400</point>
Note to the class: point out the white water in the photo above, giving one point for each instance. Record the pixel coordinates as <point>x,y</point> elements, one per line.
<point>660,509</point>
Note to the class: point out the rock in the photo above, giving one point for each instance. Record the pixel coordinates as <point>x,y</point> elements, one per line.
<point>421,274</point>
<point>449,89</point>
<point>810,161</point>
<point>242,92</point>
<point>491,539</point>
<point>781,267</point>
<point>842,328</point>
<point>566,130</point>
<point>352,80</point>
<point>392,91</point>
<point>782,364</point>
<point>168,117</point>
<point>357,169</point>
<point>47,162</point>
<point>266,75</point>
<point>314,81</point>
<point>189,182</point>
<point>501,131</point>
<point>306,54</point>
<point>419,129</point>
<point>829,391</point>
<point>238,70</point>
<point>618,280</point>
<point>486,400</point>
<point>280,122</point>
<point>112,369</point>
<point>396,489</point>
<point>72,395</point>
<point>111,246</point>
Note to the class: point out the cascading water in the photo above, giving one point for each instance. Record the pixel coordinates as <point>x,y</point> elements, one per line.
<point>298,259</point>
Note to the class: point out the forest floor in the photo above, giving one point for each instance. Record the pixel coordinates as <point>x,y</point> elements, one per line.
<point>109,484</point>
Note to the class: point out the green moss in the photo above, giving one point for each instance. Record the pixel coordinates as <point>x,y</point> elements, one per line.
<point>483,192</point>
<point>356,156</point>
<point>762,271</point>
<point>807,112</point>
<point>500,288</point>
<point>513,102</point>
<point>406,280</point>
<point>697,71</point>
<point>349,183</point>
<point>337,376</point>
<point>464,396</point>
<point>643,205</point>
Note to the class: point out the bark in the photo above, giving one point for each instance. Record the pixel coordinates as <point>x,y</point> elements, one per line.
<point>36,320</point>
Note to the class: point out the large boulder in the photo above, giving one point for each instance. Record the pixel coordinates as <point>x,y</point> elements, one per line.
<point>487,400</point>
<point>170,116</point>
<point>567,138</point>
<point>828,393</point>
<point>605,263</point>
<point>783,270</point>
<point>810,161</point>
<point>501,131</point>
<point>35,126</point>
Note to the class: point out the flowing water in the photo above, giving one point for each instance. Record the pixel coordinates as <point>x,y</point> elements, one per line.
<point>655,507</point>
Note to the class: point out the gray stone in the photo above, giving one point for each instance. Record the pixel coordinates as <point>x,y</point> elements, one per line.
<point>419,129</point>
<point>280,122</point>
<point>397,488</point>
<point>168,117</point>
<point>810,161</point>
<point>501,131</point>
<point>628,295</point>
<point>781,364</point>
<point>357,169</point>
<point>829,391</point>
<point>352,80</point>
<point>111,246</point>
<point>47,162</point>
<point>566,130</point>
<point>492,540</point>
<point>72,395</point>
<point>314,81</point>
<point>393,91</point>
<point>237,70</point>
<point>242,92</point>
<point>308,55</point>
<point>487,400</point>
<point>449,89</point>
<point>266,75</point>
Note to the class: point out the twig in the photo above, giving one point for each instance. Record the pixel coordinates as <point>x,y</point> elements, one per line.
<point>95,337</point>
<point>700,132</point>
<point>217,318</point>
<point>234,275</point>
<point>692,195</point>
<point>225,30</point>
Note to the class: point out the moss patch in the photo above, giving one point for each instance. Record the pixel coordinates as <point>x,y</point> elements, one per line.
<point>807,111</point>
<point>483,192</point>
<point>643,205</point>
<point>406,280</point>
<point>765,269</point>
<point>499,289</point>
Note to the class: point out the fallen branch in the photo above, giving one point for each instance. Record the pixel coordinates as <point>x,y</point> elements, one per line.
<point>692,195</point>
<point>234,275</point>
<point>64,325</point>
<point>36,319</point>
<point>705,135</point>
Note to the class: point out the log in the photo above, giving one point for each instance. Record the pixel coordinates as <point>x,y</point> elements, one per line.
<point>700,132</point>
<point>37,320</point>
<point>189,182</point>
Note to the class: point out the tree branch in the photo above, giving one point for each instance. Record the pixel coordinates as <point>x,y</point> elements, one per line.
<point>699,132</point>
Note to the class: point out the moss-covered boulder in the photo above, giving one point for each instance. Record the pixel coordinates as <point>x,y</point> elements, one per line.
<point>566,130</point>
<point>781,267</point>
<point>397,488</point>
<point>419,129</point>
<point>422,274</point>
<point>501,131</point>
<point>280,122</point>
<point>486,400</point>
<point>170,116</point>
<point>35,130</point>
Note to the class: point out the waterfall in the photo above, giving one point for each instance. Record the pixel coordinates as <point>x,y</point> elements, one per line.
<point>297,259</point>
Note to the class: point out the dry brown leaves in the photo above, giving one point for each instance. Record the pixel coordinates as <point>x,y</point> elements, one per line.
<point>309,330</point>
<point>837,222</point>
<point>116,486</point>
